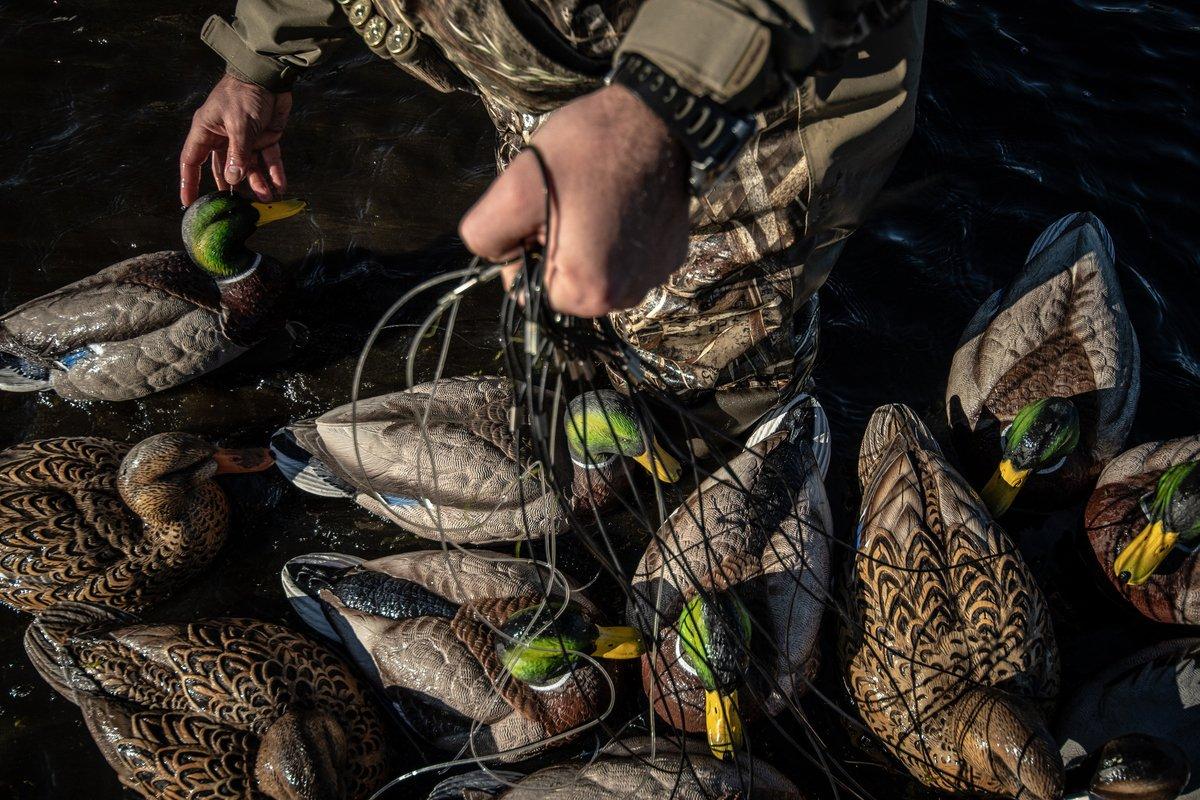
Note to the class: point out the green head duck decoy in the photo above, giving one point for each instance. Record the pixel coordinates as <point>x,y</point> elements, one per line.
<point>1143,522</point>
<point>1135,726</point>
<point>947,641</point>
<point>630,768</point>
<point>446,463</point>
<point>154,321</point>
<point>218,708</point>
<point>1045,381</point>
<point>98,521</point>
<point>729,594</point>
<point>462,644</point>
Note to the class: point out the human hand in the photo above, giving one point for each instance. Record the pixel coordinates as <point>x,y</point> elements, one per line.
<point>620,204</point>
<point>238,128</point>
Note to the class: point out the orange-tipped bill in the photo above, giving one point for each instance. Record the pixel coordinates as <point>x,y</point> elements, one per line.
<point>659,463</point>
<point>240,460</point>
<point>1002,489</point>
<point>723,722</point>
<point>618,642</point>
<point>280,209</point>
<point>1141,557</point>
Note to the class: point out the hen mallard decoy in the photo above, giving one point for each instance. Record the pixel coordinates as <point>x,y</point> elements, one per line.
<point>1138,719</point>
<point>445,461</point>
<point>630,768</point>
<point>1045,381</point>
<point>731,589</point>
<point>1143,521</point>
<point>153,321</point>
<point>99,521</point>
<point>421,625</point>
<point>947,642</point>
<point>216,708</point>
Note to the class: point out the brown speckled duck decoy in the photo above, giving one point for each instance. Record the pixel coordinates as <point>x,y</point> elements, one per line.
<point>1045,381</point>
<point>221,708</point>
<point>97,521</point>
<point>153,321</point>
<point>739,574</point>
<point>1143,522</point>
<point>420,625</point>
<point>631,768</point>
<point>447,466</point>
<point>947,644</point>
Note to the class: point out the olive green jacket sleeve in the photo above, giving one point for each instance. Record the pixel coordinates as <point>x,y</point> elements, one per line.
<point>270,41</point>
<point>741,52</point>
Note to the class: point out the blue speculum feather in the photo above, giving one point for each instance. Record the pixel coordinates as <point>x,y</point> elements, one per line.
<point>398,501</point>
<point>75,356</point>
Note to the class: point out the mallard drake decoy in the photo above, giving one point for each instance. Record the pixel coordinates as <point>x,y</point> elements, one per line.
<point>1138,718</point>
<point>731,589</point>
<point>1143,521</point>
<point>153,321</point>
<point>99,521</point>
<point>947,642</point>
<point>629,768</point>
<point>215,708</point>
<point>421,625</point>
<point>1046,378</point>
<point>445,461</point>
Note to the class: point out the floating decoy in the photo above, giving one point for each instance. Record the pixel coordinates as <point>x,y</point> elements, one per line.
<point>1045,381</point>
<point>1143,522</point>
<point>446,463</point>
<point>731,590</point>
<point>216,708</point>
<point>98,521</point>
<point>463,645</point>
<point>947,642</point>
<point>154,321</point>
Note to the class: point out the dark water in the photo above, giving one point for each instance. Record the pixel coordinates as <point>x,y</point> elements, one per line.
<point>1029,110</point>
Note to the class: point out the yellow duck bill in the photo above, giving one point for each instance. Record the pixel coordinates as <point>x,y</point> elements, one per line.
<point>1141,557</point>
<point>281,209</point>
<point>659,463</point>
<point>1002,489</point>
<point>618,642</point>
<point>723,722</point>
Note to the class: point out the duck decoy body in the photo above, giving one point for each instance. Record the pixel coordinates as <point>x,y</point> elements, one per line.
<point>947,643</point>
<point>153,321</point>
<point>1044,384</point>
<point>93,520</point>
<point>459,643</point>
<point>1140,719</point>
<point>739,575</point>
<point>447,465</point>
<point>218,708</point>
<point>631,768</point>
<point>1143,522</point>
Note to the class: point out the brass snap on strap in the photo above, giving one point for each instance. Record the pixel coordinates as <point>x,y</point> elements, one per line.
<point>374,31</point>
<point>359,12</point>
<point>400,40</point>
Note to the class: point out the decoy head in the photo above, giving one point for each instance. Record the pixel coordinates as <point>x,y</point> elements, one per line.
<point>714,643</point>
<point>1040,438</point>
<point>216,227</point>
<point>603,425</point>
<point>1006,746</point>
<point>302,756</point>
<point>1174,521</point>
<point>1139,767</point>
<point>541,644</point>
<point>161,475</point>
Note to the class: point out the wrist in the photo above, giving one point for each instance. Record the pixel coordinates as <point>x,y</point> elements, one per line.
<point>243,63</point>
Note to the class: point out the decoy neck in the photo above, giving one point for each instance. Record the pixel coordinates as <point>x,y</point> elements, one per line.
<point>1174,521</point>
<point>216,227</point>
<point>714,643</point>
<point>1005,744</point>
<point>541,644</point>
<point>163,477</point>
<point>1041,436</point>
<point>302,756</point>
<point>603,425</point>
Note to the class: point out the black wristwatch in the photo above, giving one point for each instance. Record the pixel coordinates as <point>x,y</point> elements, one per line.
<point>712,136</point>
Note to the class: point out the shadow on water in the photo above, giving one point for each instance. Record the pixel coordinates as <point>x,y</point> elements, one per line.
<point>1028,111</point>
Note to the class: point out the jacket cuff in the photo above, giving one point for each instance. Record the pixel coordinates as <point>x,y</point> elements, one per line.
<point>242,62</point>
<point>710,47</point>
